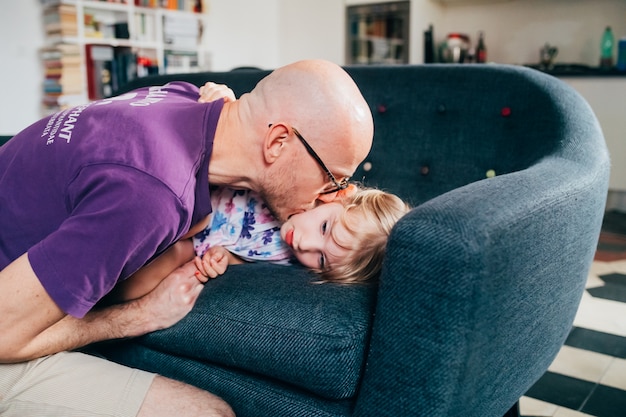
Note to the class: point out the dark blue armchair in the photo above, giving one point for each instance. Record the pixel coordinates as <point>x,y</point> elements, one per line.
<point>508,172</point>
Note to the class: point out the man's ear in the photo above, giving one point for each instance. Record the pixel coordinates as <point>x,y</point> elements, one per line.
<point>340,195</point>
<point>275,142</point>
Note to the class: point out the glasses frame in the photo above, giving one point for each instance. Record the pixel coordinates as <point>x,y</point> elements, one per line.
<point>338,185</point>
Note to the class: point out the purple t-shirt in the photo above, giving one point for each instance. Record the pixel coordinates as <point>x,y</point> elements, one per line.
<point>93,192</point>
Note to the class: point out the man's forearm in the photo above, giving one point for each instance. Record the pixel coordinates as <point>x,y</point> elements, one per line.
<point>115,322</point>
<point>159,309</point>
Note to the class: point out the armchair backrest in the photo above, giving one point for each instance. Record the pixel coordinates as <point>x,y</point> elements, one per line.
<point>483,279</point>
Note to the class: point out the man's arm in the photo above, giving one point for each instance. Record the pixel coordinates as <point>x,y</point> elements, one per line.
<point>32,325</point>
<point>26,309</point>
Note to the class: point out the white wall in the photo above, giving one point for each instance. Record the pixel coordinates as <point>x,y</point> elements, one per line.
<point>242,33</point>
<point>21,73</point>
<point>423,14</point>
<point>271,33</point>
<point>312,29</point>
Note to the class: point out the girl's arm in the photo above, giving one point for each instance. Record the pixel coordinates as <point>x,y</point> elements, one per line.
<point>148,277</point>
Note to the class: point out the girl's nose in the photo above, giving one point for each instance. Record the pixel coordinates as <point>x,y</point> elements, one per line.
<point>308,243</point>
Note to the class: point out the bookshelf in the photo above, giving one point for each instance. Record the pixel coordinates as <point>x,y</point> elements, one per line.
<point>93,47</point>
<point>378,33</point>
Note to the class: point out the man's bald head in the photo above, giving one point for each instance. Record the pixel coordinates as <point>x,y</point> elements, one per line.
<point>324,103</point>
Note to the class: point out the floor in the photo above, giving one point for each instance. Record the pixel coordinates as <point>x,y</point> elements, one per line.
<point>588,377</point>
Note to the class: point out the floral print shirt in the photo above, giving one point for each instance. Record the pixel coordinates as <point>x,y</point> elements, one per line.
<point>242,224</point>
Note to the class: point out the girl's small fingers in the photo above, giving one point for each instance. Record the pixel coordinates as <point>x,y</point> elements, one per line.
<point>201,277</point>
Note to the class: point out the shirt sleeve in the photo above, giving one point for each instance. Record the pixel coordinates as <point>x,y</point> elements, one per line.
<point>119,218</point>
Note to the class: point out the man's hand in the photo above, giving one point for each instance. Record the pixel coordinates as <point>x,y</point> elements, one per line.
<point>211,92</point>
<point>171,300</point>
<point>213,263</point>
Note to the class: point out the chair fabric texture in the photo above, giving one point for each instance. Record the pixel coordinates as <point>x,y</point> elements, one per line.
<point>507,171</point>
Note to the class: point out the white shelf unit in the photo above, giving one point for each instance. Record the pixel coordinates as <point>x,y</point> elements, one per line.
<point>158,34</point>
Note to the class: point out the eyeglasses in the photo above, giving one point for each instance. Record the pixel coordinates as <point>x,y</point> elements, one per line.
<point>338,185</point>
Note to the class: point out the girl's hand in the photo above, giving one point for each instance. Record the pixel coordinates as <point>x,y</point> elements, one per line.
<point>213,263</point>
<point>211,92</point>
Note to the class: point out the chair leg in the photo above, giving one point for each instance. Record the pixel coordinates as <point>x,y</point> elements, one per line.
<point>514,411</point>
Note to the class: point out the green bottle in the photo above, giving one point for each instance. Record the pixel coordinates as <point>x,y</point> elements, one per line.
<point>606,48</point>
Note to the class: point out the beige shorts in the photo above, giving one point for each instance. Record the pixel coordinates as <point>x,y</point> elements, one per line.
<point>71,384</point>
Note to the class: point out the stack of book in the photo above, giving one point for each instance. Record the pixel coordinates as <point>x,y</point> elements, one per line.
<point>181,34</point>
<point>63,82</point>
<point>181,31</point>
<point>145,27</point>
<point>60,20</point>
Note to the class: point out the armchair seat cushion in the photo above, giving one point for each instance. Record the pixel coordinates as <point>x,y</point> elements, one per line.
<point>276,321</point>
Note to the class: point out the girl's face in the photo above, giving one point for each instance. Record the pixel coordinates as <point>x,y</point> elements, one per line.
<point>310,238</point>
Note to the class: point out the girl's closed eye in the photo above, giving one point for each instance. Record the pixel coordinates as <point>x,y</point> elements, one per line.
<point>324,229</point>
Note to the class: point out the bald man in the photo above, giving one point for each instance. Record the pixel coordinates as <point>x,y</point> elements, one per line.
<point>89,195</point>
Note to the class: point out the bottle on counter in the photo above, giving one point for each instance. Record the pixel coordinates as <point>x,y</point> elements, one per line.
<point>606,48</point>
<point>481,49</point>
<point>429,46</point>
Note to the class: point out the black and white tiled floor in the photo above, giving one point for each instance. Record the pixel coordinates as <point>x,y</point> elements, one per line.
<point>588,377</point>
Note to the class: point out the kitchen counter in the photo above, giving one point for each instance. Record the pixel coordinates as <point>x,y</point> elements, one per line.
<point>579,70</point>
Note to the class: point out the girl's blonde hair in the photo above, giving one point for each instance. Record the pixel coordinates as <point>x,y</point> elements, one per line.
<point>369,215</point>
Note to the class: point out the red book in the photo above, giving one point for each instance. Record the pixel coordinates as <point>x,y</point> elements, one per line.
<point>99,60</point>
